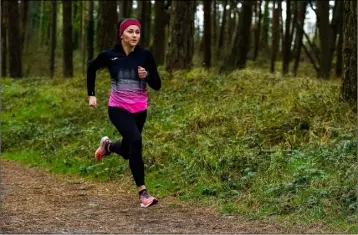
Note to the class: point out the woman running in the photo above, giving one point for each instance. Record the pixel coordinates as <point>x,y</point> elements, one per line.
<point>131,68</point>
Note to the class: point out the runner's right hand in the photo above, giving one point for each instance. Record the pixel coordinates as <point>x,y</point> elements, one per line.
<point>92,101</point>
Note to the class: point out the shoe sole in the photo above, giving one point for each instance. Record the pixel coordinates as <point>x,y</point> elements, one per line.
<point>155,201</point>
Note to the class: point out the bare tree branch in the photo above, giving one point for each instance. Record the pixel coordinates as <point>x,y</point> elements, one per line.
<point>311,4</point>
<point>311,58</point>
<point>313,46</point>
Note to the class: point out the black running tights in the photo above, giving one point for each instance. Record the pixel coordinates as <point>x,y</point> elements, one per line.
<point>130,126</point>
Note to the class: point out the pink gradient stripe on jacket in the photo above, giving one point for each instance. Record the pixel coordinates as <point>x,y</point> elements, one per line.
<point>133,101</point>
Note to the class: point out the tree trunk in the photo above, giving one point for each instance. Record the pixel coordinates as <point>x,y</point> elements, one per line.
<point>159,32</point>
<point>145,20</point>
<point>41,20</point>
<point>258,32</point>
<point>24,15</point>
<point>44,32</point>
<point>77,24</point>
<point>339,44</point>
<point>14,39</point>
<point>83,35</point>
<point>48,23</point>
<point>202,45</point>
<point>287,43</point>
<point>207,33</point>
<point>107,24</point>
<point>4,29</point>
<point>339,63</point>
<point>275,37</point>
<point>349,81</point>
<point>67,38</point>
<point>265,27</point>
<point>75,28</point>
<point>127,8</point>
<point>313,47</point>
<point>223,25</point>
<point>53,37</point>
<point>90,31</point>
<point>299,34</point>
<point>33,26</point>
<point>238,54</point>
<point>281,37</point>
<point>234,13</point>
<point>244,32</point>
<point>231,27</point>
<point>214,22</point>
<point>181,33</point>
<point>294,26</point>
<point>148,21</point>
<point>324,36</point>
<point>336,26</point>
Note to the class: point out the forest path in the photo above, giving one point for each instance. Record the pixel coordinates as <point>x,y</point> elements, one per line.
<point>35,201</point>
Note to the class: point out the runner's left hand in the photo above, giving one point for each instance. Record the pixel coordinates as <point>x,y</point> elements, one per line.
<point>142,73</point>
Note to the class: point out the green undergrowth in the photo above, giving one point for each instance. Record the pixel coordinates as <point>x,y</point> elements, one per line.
<point>249,142</point>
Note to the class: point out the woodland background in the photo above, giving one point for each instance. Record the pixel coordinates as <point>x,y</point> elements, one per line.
<point>257,114</point>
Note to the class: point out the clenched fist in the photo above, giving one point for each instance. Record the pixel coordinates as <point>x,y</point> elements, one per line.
<point>142,73</point>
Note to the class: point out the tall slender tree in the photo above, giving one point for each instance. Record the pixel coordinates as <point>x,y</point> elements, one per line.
<point>32,36</point>
<point>339,63</point>
<point>106,24</point>
<point>299,33</point>
<point>90,31</point>
<point>223,25</point>
<point>258,30</point>
<point>41,13</point>
<point>281,26</point>
<point>275,36</point>
<point>181,34</point>
<point>335,23</point>
<point>53,37</point>
<point>238,55</point>
<point>15,62</point>
<point>83,34</point>
<point>76,24</point>
<point>349,81</point>
<point>244,32</point>
<point>207,33</point>
<point>126,8</point>
<point>287,42</point>
<point>160,23</point>
<point>265,26</point>
<point>324,38</point>
<point>293,26</point>
<point>4,30</point>
<point>214,22</point>
<point>24,15</point>
<point>67,38</point>
<point>145,20</point>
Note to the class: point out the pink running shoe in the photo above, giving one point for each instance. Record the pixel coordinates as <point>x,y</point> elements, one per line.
<point>147,200</point>
<point>103,148</point>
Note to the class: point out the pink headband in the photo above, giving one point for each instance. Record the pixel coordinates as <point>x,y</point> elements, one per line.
<point>127,23</point>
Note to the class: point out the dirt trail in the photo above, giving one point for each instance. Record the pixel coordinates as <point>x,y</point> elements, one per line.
<point>34,201</point>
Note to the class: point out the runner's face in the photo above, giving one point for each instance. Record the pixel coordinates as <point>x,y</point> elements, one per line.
<point>131,35</point>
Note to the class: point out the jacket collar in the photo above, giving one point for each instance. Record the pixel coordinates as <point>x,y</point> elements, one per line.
<point>119,48</point>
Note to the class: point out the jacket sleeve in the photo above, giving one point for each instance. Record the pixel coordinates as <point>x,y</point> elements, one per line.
<point>153,78</point>
<point>99,62</point>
